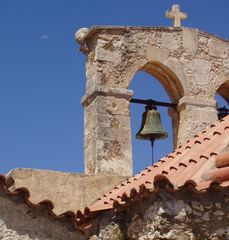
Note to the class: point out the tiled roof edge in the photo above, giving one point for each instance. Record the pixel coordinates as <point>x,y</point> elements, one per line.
<point>22,192</point>
<point>215,128</point>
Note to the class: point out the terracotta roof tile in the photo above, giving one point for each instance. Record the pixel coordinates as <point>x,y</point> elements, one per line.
<point>192,163</point>
<point>197,163</point>
<point>218,174</point>
<point>24,194</point>
<point>222,160</point>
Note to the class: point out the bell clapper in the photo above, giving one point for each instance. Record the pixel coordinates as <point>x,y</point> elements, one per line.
<point>152,145</point>
<point>151,107</point>
<point>147,108</point>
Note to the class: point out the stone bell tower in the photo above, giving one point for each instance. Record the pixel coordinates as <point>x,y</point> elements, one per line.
<point>192,66</point>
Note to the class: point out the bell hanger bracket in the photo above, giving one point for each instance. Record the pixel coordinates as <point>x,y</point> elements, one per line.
<point>151,102</point>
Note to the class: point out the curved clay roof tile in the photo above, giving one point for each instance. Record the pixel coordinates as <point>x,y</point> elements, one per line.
<point>222,160</point>
<point>219,174</point>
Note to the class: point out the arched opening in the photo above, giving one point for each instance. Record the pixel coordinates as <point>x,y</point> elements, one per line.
<point>222,96</point>
<point>167,78</point>
<point>221,102</point>
<point>153,81</point>
<point>223,91</point>
<point>146,86</point>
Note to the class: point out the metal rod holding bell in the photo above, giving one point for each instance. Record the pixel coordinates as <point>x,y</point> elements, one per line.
<point>151,127</point>
<point>152,102</point>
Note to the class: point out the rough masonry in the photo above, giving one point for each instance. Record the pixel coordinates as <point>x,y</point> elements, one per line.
<point>191,65</point>
<point>18,221</point>
<point>172,215</point>
<point>181,215</point>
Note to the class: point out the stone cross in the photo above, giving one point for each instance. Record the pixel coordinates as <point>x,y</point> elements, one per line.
<point>176,15</point>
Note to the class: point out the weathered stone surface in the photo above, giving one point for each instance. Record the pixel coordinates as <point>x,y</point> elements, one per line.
<point>107,136</point>
<point>218,213</point>
<point>190,39</point>
<point>188,63</point>
<point>217,49</point>
<point>68,191</point>
<point>81,34</point>
<point>171,216</point>
<point>20,222</point>
<point>197,206</point>
<point>218,205</point>
<point>205,216</point>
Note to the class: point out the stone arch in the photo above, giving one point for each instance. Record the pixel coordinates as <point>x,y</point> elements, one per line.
<point>168,71</point>
<point>221,85</point>
<point>165,76</point>
<point>169,81</point>
<point>190,64</point>
<point>223,90</point>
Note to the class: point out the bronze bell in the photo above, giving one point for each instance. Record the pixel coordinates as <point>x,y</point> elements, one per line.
<point>151,128</point>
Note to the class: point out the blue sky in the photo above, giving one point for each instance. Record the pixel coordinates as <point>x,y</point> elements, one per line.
<point>42,75</point>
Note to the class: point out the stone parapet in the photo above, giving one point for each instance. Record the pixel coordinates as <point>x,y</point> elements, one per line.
<point>67,191</point>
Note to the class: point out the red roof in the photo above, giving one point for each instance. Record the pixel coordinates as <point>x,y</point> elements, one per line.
<point>24,194</point>
<point>198,162</point>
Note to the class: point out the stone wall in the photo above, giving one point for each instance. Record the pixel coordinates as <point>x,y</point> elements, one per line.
<point>67,191</point>
<point>20,222</point>
<point>190,64</point>
<point>172,216</point>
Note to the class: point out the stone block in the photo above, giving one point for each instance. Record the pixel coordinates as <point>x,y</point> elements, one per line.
<point>218,49</point>
<point>112,134</point>
<point>200,70</point>
<point>108,121</point>
<point>109,56</point>
<point>197,206</point>
<point>206,217</point>
<point>171,41</point>
<point>218,213</point>
<point>190,39</point>
<point>109,105</point>
<point>156,54</point>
